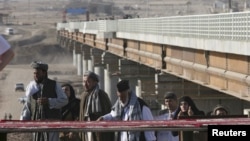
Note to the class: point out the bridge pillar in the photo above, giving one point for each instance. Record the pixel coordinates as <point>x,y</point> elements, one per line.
<point>138,89</point>
<point>77,58</point>
<point>110,81</point>
<point>74,57</point>
<point>79,65</point>
<point>86,57</point>
<point>99,70</point>
<point>96,56</point>
<point>90,65</point>
<point>112,60</point>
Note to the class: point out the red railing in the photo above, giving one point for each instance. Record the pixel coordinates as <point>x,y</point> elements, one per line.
<point>8,126</point>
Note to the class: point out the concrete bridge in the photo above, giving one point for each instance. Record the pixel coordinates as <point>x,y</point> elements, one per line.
<point>204,56</point>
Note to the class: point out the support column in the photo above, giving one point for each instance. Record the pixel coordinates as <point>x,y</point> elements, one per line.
<point>96,55</point>
<point>86,57</point>
<point>74,57</point>
<point>110,84</point>
<point>138,89</point>
<point>79,65</point>
<point>78,58</point>
<point>99,70</point>
<point>112,60</point>
<point>84,65</point>
<point>90,65</point>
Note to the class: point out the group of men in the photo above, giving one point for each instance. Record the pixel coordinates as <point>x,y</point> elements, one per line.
<point>45,98</point>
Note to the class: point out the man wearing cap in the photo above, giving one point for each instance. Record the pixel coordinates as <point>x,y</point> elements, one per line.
<point>171,104</point>
<point>129,107</point>
<point>220,110</point>
<point>45,98</point>
<point>94,103</point>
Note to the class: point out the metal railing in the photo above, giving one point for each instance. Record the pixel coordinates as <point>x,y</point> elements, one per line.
<point>101,126</point>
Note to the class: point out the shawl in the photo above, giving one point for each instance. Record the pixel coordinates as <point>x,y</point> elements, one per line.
<point>134,113</point>
<point>105,108</point>
<point>93,102</point>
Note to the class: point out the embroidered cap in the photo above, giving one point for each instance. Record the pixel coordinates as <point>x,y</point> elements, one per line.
<point>123,85</point>
<point>39,65</point>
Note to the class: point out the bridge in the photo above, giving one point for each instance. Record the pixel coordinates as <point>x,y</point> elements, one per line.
<point>204,56</point>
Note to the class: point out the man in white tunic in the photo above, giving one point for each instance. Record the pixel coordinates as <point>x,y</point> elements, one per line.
<point>129,107</point>
<point>45,98</point>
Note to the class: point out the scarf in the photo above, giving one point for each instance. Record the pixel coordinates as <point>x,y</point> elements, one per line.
<point>134,113</point>
<point>93,102</point>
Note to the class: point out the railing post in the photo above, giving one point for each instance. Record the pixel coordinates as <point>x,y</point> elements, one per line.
<point>3,136</point>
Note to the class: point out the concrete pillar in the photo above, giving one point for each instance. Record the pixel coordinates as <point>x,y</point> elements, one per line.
<point>96,55</point>
<point>86,57</point>
<point>90,65</point>
<point>138,89</point>
<point>156,84</point>
<point>74,57</point>
<point>112,60</point>
<point>110,84</point>
<point>99,70</point>
<point>79,65</point>
<point>84,65</point>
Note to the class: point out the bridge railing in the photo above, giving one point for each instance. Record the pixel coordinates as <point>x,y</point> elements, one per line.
<point>226,26</point>
<point>10,126</point>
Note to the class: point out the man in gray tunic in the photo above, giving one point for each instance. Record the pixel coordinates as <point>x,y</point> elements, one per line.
<point>94,103</point>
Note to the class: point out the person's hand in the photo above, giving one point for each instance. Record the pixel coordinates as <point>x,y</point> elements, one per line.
<point>100,119</point>
<point>190,111</point>
<point>180,114</point>
<point>42,101</point>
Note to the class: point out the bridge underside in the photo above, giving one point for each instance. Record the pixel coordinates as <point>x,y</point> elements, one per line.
<point>223,72</point>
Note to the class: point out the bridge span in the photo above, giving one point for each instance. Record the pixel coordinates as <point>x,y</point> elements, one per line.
<point>204,56</point>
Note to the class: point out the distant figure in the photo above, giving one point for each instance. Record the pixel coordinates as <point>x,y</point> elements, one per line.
<point>6,53</point>
<point>70,112</point>
<point>171,102</point>
<point>94,103</point>
<point>129,107</point>
<point>220,110</point>
<point>10,116</point>
<point>45,98</point>
<point>185,109</point>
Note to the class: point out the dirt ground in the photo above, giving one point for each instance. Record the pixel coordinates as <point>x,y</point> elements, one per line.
<point>19,71</point>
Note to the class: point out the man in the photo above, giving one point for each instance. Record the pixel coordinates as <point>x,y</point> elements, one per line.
<point>94,103</point>
<point>129,107</point>
<point>171,103</point>
<point>45,98</point>
<point>6,53</point>
<point>220,110</point>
